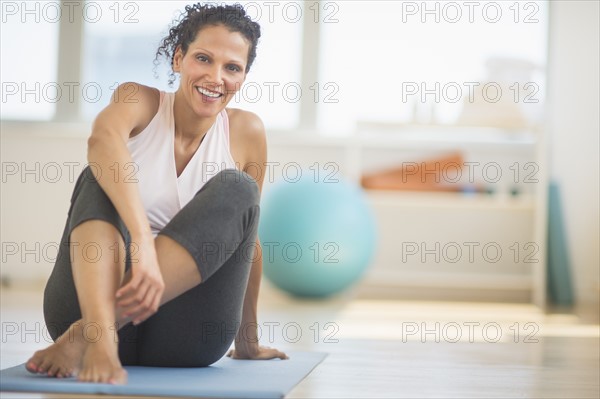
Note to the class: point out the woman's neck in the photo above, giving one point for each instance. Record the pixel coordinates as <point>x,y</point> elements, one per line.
<point>189,128</point>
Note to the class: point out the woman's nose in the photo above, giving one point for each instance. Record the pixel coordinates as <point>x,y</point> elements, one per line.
<point>215,75</point>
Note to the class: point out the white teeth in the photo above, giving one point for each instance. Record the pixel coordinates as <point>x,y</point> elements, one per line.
<point>208,93</point>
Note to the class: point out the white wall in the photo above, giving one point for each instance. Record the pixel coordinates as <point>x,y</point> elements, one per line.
<point>35,213</point>
<point>573,128</point>
<point>38,175</point>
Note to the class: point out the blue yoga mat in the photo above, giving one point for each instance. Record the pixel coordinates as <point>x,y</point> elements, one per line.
<point>226,378</point>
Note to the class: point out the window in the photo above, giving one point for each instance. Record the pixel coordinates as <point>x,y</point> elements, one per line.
<point>29,42</point>
<point>379,53</point>
<point>120,47</point>
<point>372,56</point>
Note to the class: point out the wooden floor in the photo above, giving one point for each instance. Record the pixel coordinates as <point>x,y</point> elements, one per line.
<point>392,349</point>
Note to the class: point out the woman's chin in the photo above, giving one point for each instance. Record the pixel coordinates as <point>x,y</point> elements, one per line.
<point>209,108</point>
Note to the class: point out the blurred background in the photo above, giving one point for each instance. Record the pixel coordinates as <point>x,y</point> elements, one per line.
<point>471,127</point>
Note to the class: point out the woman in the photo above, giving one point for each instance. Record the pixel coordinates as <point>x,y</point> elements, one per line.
<point>149,225</point>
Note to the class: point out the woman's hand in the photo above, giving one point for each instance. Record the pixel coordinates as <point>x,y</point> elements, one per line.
<point>260,353</point>
<point>140,295</point>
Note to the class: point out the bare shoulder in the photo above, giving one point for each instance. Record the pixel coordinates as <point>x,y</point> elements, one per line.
<point>139,101</point>
<point>131,108</point>
<point>245,123</point>
<point>247,129</point>
<point>135,95</point>
<point>248,141</point>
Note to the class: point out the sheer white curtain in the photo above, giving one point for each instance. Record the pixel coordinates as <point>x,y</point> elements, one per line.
<point>29,43</point>
<point>376,50</point>
<point>120,51</point>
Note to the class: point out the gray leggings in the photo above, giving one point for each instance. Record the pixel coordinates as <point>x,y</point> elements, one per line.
<point>218,227</point>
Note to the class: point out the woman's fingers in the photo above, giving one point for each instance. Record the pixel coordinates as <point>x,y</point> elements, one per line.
<point>156,303</point>
<point>137,303</point>
<point>264,353</point>
<point>134,291</point>
<point>273,354</point>
<point>139,298</point>
<point>149,307</point>
<point>129,289</point>
<point>144,306</point>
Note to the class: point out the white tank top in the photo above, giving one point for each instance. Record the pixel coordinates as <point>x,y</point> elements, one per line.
<point>153,152</point>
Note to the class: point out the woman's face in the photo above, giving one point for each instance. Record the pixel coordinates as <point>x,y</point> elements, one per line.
<point>212,70</point>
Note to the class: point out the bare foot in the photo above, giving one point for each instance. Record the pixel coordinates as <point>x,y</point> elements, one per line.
<point>101,363</point>
<point>61,359</point>
<point>93,358</point>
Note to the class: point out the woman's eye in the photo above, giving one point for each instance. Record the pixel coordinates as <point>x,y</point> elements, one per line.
<point>202,58</point>
<point>234,68</point>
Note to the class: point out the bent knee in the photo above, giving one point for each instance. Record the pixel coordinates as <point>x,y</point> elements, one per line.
<point>238,185</point>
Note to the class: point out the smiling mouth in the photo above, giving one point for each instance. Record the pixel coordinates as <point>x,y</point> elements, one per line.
<point>209,93</point>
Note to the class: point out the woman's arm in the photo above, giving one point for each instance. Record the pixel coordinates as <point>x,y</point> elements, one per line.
<point>131,109</point>
<point>254,145</point>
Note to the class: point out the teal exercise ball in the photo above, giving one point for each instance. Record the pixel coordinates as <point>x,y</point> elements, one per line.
<point>317,234</point>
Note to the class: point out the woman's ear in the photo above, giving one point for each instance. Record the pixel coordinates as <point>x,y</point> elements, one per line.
<point>177,59</point>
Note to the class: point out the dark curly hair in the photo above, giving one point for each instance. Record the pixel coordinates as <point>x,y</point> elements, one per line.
<point>183,30</point>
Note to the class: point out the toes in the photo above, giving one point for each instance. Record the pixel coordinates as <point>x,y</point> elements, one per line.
<point>64,373</point>
<point>92,376</point>
<point>33,364</point>
<point>110,377</point>
<point>61,372</point>
<point>119,377</point>
<point>44,366</point>
<point>32,367</point>
<point>83,376</point>
<point>53,370</point>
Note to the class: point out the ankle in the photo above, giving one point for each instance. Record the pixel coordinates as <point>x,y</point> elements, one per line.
<point>92,332</point>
